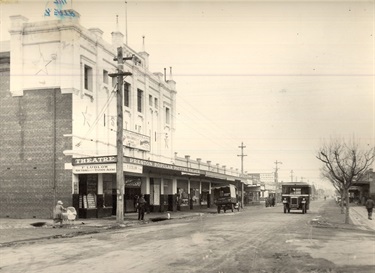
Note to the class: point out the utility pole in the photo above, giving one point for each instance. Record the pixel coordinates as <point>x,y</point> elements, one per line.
<point>120,136</point>
<point>277,186</point>
<point>276,169</point>
<point>242,184</point>
<point>242,156</point>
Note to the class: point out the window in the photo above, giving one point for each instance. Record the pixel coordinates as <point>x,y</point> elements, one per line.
<point>127,94</point>
<point>150,100</point>
<point>88,78</point>
<point>156,103</point>
<point>167,115</point>
<point>139,100</point>
<point>105,76</point>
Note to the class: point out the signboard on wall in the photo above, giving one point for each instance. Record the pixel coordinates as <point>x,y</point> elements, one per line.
<point>136,141</point>
<point>161,165</point>
<point>94,160</point>
<point>106,168</point>
<point>94,168</point>
<point>133,182</point>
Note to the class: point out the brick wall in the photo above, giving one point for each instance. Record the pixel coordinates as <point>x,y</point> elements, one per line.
<point>32,174</point>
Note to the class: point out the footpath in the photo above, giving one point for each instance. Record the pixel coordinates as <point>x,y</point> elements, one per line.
<point>13,231</point>
<point>330,216</point>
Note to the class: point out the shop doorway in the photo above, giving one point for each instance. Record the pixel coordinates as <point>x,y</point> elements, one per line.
<point>131,197</point>
<point>130,200</point>
<point>132,192</point>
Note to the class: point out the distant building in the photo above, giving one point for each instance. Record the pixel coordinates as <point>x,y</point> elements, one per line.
<point>267,178</point>
<point>266,183</point>
<point>363,188</point>
<point>58,127</point>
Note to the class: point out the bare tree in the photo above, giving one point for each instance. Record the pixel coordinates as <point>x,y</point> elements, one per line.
<point>344,163</point>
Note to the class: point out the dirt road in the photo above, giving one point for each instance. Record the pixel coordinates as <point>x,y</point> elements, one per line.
<point>264,240</point>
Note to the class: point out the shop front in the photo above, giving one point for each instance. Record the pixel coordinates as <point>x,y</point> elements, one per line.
<point>165,187</point>
<point>195,195</point>
<point>182,195</point>
<point>132,192</point>
<point>169,197</point>
<point>95,187</point>
<point>358,193</point>
<point>92,196</point>
<point>252,195</point>
<point>162,197</point>
<point>156,197</point>
<point>205,195</point>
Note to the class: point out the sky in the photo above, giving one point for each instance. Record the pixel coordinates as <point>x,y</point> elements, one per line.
<point>278,76</point>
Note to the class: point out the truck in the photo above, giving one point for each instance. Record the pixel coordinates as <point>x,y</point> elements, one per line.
<point>296,196</point>
<point>226,198</point>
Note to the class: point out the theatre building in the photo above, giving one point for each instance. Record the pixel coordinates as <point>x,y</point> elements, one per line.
<point>58,126</point>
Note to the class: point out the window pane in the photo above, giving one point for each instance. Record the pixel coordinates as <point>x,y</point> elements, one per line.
<point>167,115</point>
<point>88,77</point>
<point>105,76</point>
<point>127,94</point>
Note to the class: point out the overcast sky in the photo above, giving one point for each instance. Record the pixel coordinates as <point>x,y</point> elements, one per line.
<point>279,76</point>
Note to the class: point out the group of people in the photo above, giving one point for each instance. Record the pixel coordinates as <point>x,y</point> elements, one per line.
<point>270,201</point>
<point>59,210</point>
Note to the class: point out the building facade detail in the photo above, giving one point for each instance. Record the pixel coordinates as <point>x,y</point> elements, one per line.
<point>58,111</point>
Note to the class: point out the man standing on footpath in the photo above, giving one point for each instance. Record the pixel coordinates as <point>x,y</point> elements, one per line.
<point>141,207</point>
<point>369,206</point>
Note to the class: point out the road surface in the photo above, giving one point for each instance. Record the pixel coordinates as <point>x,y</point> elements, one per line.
<point>252,240</point>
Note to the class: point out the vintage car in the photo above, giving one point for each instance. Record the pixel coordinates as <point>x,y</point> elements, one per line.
<point>296,196</point>
<point>226,197</point>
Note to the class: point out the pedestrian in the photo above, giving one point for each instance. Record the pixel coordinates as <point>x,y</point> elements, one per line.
<point>58,214</point>
<point>370,206</point>
<point>141,206</point>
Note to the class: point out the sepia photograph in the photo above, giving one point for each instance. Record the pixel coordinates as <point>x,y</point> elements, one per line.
<point>209,136</point>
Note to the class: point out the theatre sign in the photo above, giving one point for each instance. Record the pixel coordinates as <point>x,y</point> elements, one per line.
<point>105,164</point>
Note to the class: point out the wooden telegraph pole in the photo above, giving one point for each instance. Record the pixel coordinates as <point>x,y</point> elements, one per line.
<point>242,184</point>
<point>120,136</point>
